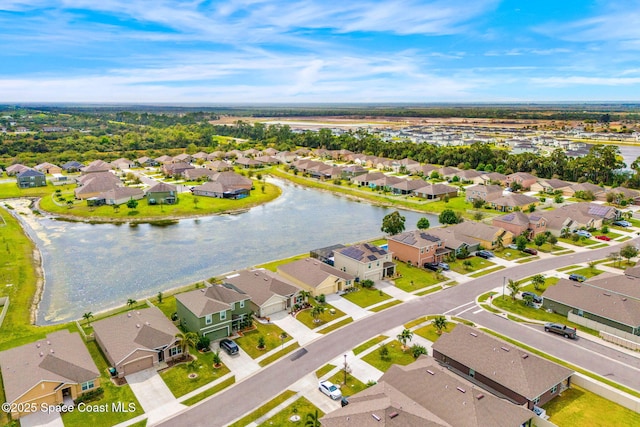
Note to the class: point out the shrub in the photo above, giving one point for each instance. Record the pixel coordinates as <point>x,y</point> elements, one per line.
<point>367,283</point>
<point>321,298</point>
<point>417,350</point>
<point>203,343</point>
<point>90,395</point>
<point>384,352</point>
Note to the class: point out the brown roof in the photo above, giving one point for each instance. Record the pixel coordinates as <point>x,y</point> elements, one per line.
<point>416,238</point>
<point>501,362</point>
<point>233,180</point>
<point>587,186</point>
<point>578,213</point>
<point>476,230</point>
<point>213,299</point>
<point>62,357</point>
<point>146,329</point>
<point>122,192</point>
<point>312,271</point>
<point>97,182</point>
<point>96,166</point>
<point>513,200</point>
<point>436,189</point>
<point>408,184</point>
<point>162,187</point>
<point>261,284</point>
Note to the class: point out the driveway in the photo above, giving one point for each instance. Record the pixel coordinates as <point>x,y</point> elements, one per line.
<point>153,394</point>
<point>294,328</point>
<point>42,419</point>
<point>241,364</point>
<point>351,309</point>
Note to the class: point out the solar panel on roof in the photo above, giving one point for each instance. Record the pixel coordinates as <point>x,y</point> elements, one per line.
<point>509,217</point>
<point>352,252</point>
<point>598,210</point>
<point>372,257</point>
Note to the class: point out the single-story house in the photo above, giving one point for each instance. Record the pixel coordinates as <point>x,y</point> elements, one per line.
<point>146,161</point>
<point>620,194</point>
<point>162,193</point>
<point>198,173</point>
<point>407,186</point>
<point>270,293</point>
<point>519,222</point>
<point>72,166</point>
<point>511,201</point>
<point>492,177</point>
<point>48,168</point>
<point>52,371</point>
<point>364,261</point>
<point>247,162</point>
<point>436,191</point>
<point>526,180</point>
<point>163,160</point>
<point>316,277</point>
<point>137,340</point>
<point>15,169</point>
<point>92,184</point>
<point>176,169</point>
<point>31,178</point>
<point>448,172</point>
<point>218,166</point>
<point>468,175</point>
<point>96,166</point>
<point>486,193</point>
<point>579,215</point>
<point>596,190</point>
<point>214,312</point>
<point>550,186</point>
<point>417,247</point>
<point>120,195</point>
<point>220,191</point>
<point>486,235</point>
<point>182,158</point>
<point>123,163</point>
<point>501,368</point>
<point>425,394</point>
<point>364,180</point>
<point>455,242</point>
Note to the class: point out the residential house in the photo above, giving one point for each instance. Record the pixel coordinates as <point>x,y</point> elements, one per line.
<point>326,254</point>
<point>48,168</point>
<point>436,191</point>
<point>198,174</point>
<point>501,368</point>
<point>92,184</point>
<point>486,193</point>
<point>72,166</point>
<point>228,185</point>
<point>137,340</point>
<point>417,247</point>
<point>218,166</point>
<point>267,160</point>
<point>163,160</point>
<point>270,293</point>
<point>286,157</point>
<point>120,195</point>
<point>457,243</point>
<point>596,190</point>
<point>123,163</point>
<point>16,169</point>
<point>352,171</point>
<point>448,172</point>
<point>316,277</point>
<point>579,215</point>
<point>425,394</point>
<point>183,158</point>
<point>200,155</point>
<point>613,300</point>
<point>622,195</point>
<point>550,186</point>
<point>31,178</point>
<point>492,177</point>
<point>176,169</point>
<point>52,371</point>
<point>270,151</point>
<point>364,261</point>
<point>145,161</point>
<point>426,170</point>
<point>512,201</point>
<point>162,193</point>
<point>364,180</point>
<point>518,223</point>
<point>248,162</point>
<point>468,175</point>
<point>488,236</point>
<point>526,180</point>
<point>96,166</point>
<point>214,312</point>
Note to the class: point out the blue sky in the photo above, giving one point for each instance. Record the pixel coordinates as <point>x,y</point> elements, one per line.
<point>276,51</point>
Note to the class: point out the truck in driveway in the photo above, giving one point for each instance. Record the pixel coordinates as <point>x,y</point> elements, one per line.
<point>561,330</point>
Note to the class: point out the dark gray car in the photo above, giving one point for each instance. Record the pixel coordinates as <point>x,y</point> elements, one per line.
<point>229,346</point>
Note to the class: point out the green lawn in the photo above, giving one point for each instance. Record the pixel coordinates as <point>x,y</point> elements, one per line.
<point>620,264</point>
<point>567,268</point>
<point>487,271</point>
<point>414,278</point>
<point>434,289</point>
<point>11,190</point>
<point>273,265</point>
<point>177,377</point>
<point>324,370</point>
<point>396,356</point>
<point>167,306</point>
<point>430,332</point>
<point>549,281</point>
<point>144,211</point>
<point>378,242</point>
<point>477,263</point>
<point>336,325</point>
<point>248,419</point>
<point>300,407</point>
<point>547,247</point>
<point>307,319</point>
<point>277,355</point>
<point>385,306</point>
<point>210,392</point>
<point>352,386</point>
<point>373,341</point>
<point>484,297</point>
<point>112,394</point>
<point>587,272</point>
<point>581,242</point>
<point>272,337</point>
<point>365,297</point>
<point>510,254</point>
<point>579,407</point>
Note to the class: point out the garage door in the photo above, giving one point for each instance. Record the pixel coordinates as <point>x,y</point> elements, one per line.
<point>138,365</point>
<point>217,334</point>
<point>273,308</point>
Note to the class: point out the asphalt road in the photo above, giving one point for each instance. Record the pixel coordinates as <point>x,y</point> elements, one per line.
<point>272,380</point>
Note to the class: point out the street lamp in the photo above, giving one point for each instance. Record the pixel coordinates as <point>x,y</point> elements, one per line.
<point>283,337</point>
<point>504,278</point>
<point>345,369</point>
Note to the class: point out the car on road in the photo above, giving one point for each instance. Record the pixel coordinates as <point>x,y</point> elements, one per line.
<point>534,297</point>
<point>330,389</point>
<point>622,223</point>
<point>530,251</point>
<point>485,254</point>
<point>577,277</point>
<point>229,346</point>
<point>603,237</point>
<point>444,266</point>
<point>560,329</point>
<point>582,233</point>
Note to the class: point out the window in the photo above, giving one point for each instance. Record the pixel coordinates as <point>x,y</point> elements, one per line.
<point>223,315</point>
<point>208,319</point>
<point>174,351</point>
<point>369,265</point>
<point>472,373</point>
<point>554,389</point>
<point>241,304</point>
<point>536,400</point>
<point>87,386</point>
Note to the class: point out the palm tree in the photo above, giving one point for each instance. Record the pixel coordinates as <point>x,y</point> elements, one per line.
<point>88,316</point>
<point>317,311</point>
<point>312,420</point>
<point>499,242</point>
<point>538,280</point>
<point>185,339</point>
<point>514,288</point>
<point>440,323</point>
<point>404,336</point>
<point>131,302</point>
<point>305,295</point>
<point>216,359</point>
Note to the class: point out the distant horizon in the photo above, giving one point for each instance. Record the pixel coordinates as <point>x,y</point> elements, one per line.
<point>249,52</point>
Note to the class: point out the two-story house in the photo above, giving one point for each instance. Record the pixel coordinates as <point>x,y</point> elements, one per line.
<point>483,192</point>
<point>31,178</point>
<point>364,261</point>
<point>316,277</point>
<point>417,247</point>
<point>519,222</point>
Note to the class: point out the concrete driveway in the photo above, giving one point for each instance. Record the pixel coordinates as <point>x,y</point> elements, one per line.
<point>294,328</point>
<point>153,394</point>
<point>351,309</point>
<point>241,364</point>
<point>42,419</point>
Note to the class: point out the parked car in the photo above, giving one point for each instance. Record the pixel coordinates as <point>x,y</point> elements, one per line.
<point>444,266</point>
<point>603,237</point>
<point>330,389</point>
<point>485,254</point>
<point>431,266</point>
<point>577,277</point>
<point>229,346</point>
<point>344,401</point>
<point>535,297</point>
<point>582,233</point>
<point>561,329</point>
<point>622,223</point>
<point>530,251</point>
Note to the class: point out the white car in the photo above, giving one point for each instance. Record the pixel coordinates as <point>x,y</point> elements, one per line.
<point>330,389</point>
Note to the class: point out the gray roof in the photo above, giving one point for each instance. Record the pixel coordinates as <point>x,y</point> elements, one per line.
<point>475,231</point>
<point>61,357</point>
<point>518,370</point>
<point>147,329</point>
<point>580,213</point>
<point>122,192</point>
<point>364,252</point>
<point>261,284</point>
<point>213,299</point>
<point>417,238</point>
<point>312,271</point>
<point>162,187</point>
<point>436,189</point>
<point>513,200</point>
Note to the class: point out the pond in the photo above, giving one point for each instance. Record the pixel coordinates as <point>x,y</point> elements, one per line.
<point>94,267</point>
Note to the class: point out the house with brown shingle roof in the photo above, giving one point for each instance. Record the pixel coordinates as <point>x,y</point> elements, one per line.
<point>123,163</point>
<point>519,222</point>
<point>214,312</point>
<point>526,180</point>
<point>176,168</point>
<point>316,277</point>
<point>417,247</point>
<point>579,215</point>
<point>92,184</point>
<point>96,166</point>
<point>198,173</point>
<point>424,394</point>
<point>596,190</point>
<point>120,195</point>
<point>512,201</point>
<point>162,193</point>
<point>550,186</point>
<point>52,371</point>
<point>15,169</point>
<point>610,299</point>
<point>407,186</point>
<point>364,180</point>
<point>48,168</point>
<point>436,191</point>
<point>483,192</point>
<point>501,368</point>
<point>137,340</point>
<point>269,292</point>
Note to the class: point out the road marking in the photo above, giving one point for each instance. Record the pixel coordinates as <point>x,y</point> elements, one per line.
<point>478,311</point>
<point>460,306</point>
<point>464,311</point>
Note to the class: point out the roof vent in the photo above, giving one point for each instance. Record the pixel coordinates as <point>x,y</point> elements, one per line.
<point>473,334</point>
<point>48,342</point>
<point>460,389</point>
<point>138,313</point>
<point>393,415</point>
<point>505,348</point>
<point>129,314</point>
<point>41,354</point>
<point>480,396</point>
<point>430,372</point>
<point>606,294</point>
<point>137,325</point>
<point>38,345</point>
<point>375,417</point>
<point>51,351</point>
<point>524,356</point>
<point>147,323</point>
